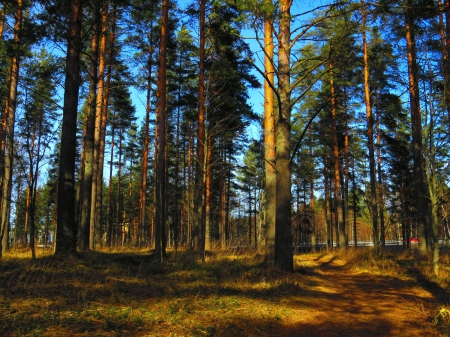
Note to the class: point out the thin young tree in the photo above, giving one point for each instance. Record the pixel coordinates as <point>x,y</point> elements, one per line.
<point>160,195</point>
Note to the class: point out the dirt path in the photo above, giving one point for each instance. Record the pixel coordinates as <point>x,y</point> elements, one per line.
<point>349,303</point>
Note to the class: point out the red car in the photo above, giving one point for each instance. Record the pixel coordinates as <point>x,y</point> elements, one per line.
<point>414,240</point>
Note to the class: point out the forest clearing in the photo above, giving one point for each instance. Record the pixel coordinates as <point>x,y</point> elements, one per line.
<point>232,293</point>
<point>185,129</point>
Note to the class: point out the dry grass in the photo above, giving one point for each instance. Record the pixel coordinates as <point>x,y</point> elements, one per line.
<point>129,294</point>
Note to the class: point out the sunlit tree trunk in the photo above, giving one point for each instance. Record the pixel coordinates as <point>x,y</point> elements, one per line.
<point>2,20</point>
<point>66,226</point>
<point>370,142</point>
<point>9,119</point>
<point>100,126</point>
<point>336,171</point>
<point>269,143</point>
<point>327,212</point>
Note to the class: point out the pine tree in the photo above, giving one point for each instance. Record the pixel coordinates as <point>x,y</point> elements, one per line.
<point>66,226</point>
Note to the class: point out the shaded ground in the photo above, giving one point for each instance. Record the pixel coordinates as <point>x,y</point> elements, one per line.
<point>129,295</point>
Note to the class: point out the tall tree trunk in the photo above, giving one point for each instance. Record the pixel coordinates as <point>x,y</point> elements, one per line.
<point>355,209</point>
<point>160,183</point>
<point>444,30</point>
<point>430,162</point>
<point>222,200</point>
<point>100,125</point>
<point>370,143</point>
<point>283,232</point>
<point>104,114</point>
<point>109,217</point>
<point>269,143</point>
<point>144,171</point>
<point>35,176</point>
<point>177,203</point>
<point>119,201</point>
<point>10,112</point>
<point>87,164</point>
<point>327,212</point>
<point>208,195</point>
<point>380,182</point>
<point>66,227</point>
<point>345,178</point>
<point>189,190</point>
<point>31,148</point>
<point>198,232</point>
<point>312,197</point>
<point>419,177</point>
<point>338,215</point>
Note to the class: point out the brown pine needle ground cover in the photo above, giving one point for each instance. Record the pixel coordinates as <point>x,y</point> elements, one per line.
<point>128,294</point>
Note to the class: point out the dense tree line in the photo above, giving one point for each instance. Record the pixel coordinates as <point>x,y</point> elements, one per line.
<point>125,123</point>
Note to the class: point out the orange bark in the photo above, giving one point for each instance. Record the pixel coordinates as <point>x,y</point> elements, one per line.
<point>269,142</point>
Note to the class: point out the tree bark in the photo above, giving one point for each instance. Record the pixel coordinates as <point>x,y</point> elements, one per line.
<point>198,232</point>
<point>100,126</point>
<point>269,143</point>
<point>222,201</point>
<point>444,30</point>
<point>208,196</point>
<point>338,214</point>
<point>419,177</point>
<point>66,226</point>
<point>10,112</point>
<point>283,258</point>
<point>143,186</point>
<point>88,157</point>
<point>161,164</point>
<point>370,142</point>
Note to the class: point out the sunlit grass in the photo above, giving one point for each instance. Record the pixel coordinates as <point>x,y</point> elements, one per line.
<point>127,293</point>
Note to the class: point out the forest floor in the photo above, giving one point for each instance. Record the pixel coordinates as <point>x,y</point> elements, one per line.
<point>231,294</point>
